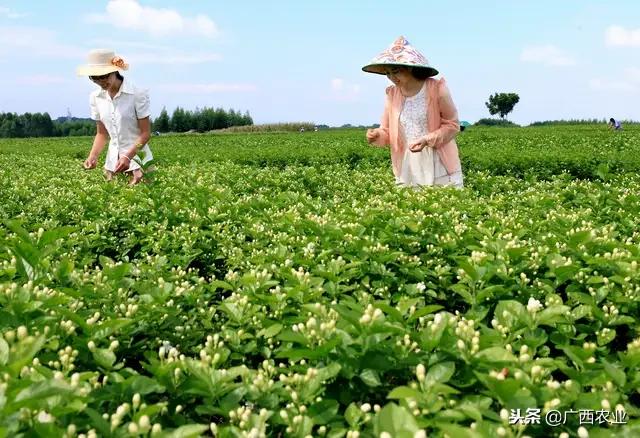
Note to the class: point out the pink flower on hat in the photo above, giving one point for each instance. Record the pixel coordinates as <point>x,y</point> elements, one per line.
<point>119,62</point>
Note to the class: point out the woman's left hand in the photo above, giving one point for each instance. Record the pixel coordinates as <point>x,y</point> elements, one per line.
<point>419,145</point>
<point>123,164</point>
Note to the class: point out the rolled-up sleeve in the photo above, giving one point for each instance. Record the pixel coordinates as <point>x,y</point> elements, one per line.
<point>142,104</point>
<point>93,105</point>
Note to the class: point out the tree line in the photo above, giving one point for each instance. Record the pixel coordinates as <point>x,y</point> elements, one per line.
<point>27,125</point>
<point>14,125</point>
<point>201,120</point>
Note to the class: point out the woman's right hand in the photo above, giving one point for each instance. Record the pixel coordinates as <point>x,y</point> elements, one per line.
<point>372,135</point>
<point>90,163</point>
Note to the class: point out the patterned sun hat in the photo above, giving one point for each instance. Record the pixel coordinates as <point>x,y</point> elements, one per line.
<point>400,53</point>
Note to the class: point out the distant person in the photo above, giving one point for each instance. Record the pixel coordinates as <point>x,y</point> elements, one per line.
<point>615,124</point>
<point>420,120</point>
<point>121,112</point>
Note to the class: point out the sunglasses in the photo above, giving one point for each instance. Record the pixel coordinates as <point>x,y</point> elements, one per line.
<point>99,78</point>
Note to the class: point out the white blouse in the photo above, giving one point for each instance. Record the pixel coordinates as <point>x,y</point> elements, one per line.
<point>422,168</point>
<point>120,116</point>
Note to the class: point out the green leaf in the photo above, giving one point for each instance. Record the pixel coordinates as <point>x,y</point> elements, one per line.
<point>328,372</point>
<point>105,358</point>
<point>144,385</point>
<point>270,331</point>
<point>396,421</point>
<point>187,431</point>
<point>392,312</point>
<point>496,354</point>
<point>39,391</point>
<point>605,338</point>
<point>107,328</point>
<point>440,373</point>
<point>512,314</point>
<point>463,291</point>
<point>352,415</point>
<point>455,431</point>
<point>403,392</point>
<point>616,374</point>
<point>552,315</point>
<point>323,412</point>
<point>581,311</point>
<point>370,378</point>
<point>4,352</point>
<point>25,353</point>
<point>426,310</point>
<point>291,336</point>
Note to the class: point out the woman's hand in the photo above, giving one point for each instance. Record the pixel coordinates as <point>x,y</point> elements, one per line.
<point>372,135</point>
<point>419,145</point>
<point>90,163</point>
<point>123,164</point>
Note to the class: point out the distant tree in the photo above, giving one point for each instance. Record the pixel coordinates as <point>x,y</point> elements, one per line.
<point>161,124</point>
<point>220,119</point>
<point>179,120</point>
<point>247,120</point>
<point>502,103</point>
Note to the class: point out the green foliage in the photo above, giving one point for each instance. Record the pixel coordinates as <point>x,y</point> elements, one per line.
<point>162,123</point>
<point>270,127</point>
<point>495,122</point>
<point>282,284</point>
<point>26,125</point>
<point>502,103</point>
<point>205,119</point>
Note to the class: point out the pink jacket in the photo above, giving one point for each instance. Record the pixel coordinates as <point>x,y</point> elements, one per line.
<point>442,125</point>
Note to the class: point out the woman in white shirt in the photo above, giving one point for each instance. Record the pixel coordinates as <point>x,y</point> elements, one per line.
<point>121,112</point>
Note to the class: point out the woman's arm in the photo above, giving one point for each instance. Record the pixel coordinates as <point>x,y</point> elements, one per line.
<point>124,162</point>
<point>449,125</point>
<point>145,134</point>
<point>99,141</point>
<point>381,137</point>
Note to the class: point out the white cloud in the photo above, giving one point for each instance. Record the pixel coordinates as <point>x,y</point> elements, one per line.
<point>546,54</point>
<point>25,41</point>
<point>343,91</point>
<point>138,53</point>
<point>42,79</point>
<point>8,13</point>
<point>630,82</point>
<point>337,84</point>
<point>611,85</point>
<point>618,36</point>
<point>129,14</point>
<point>189,88</point>
<point>174,58</point>
<point>633,74</point>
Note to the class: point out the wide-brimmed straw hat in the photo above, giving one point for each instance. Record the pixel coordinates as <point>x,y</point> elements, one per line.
<point>101,62</point>
<point>400,53</point>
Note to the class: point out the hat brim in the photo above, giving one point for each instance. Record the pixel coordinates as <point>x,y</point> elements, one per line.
<point>381,68</point>
<point>97,70</point>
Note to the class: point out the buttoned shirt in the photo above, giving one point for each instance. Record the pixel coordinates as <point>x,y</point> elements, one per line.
<point>120,116</point>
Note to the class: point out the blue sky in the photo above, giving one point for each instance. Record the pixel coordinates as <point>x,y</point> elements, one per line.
<point>301,60</point>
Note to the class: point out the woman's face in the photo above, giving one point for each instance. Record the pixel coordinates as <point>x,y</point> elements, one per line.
<point>400,76</point>
<point>104,81</point>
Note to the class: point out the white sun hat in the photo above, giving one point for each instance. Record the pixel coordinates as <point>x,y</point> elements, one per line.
<point>101,62</point>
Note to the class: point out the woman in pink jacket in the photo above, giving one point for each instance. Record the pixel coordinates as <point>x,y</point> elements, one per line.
<point>419,122</point>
